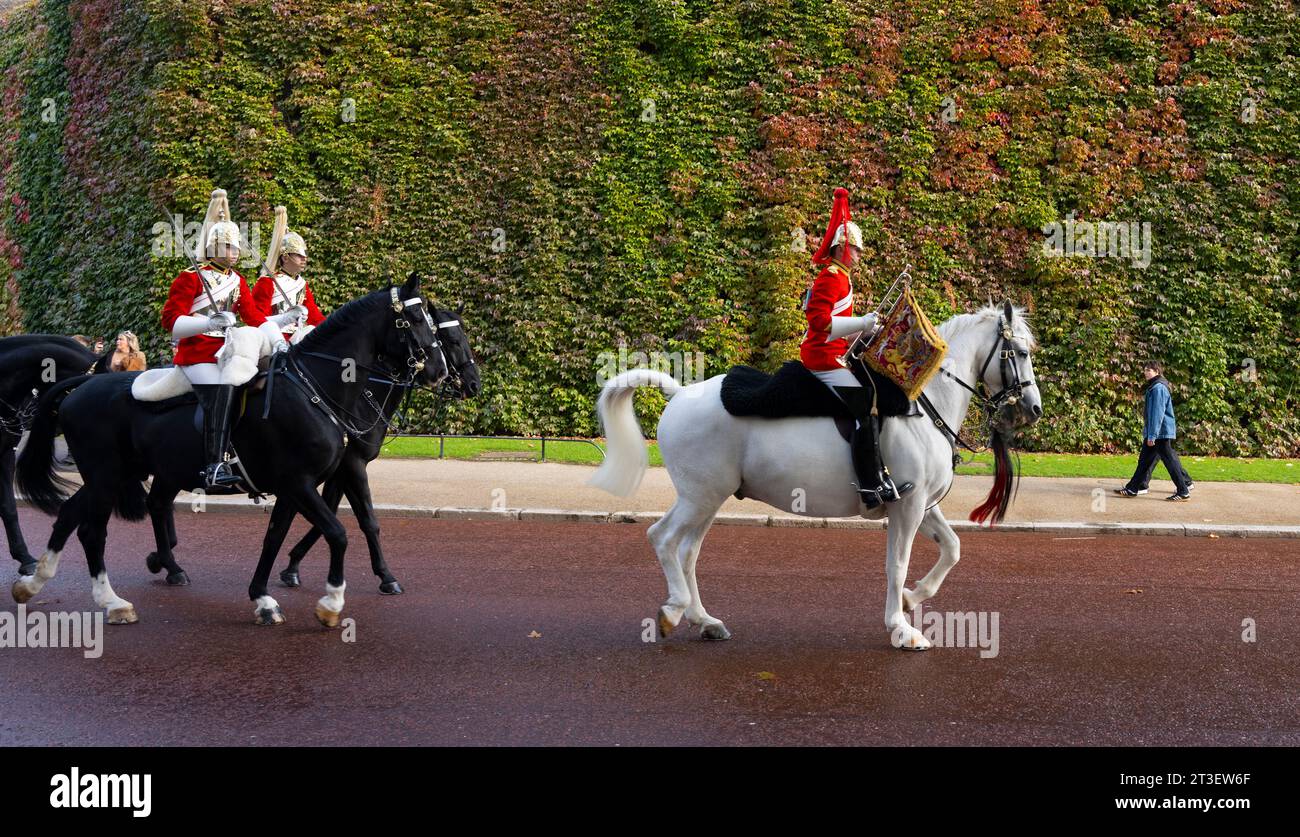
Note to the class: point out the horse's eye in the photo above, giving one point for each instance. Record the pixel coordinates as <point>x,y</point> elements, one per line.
<point>1024,354</point>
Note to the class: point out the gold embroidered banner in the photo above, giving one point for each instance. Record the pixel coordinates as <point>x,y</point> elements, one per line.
<point>907,349</point>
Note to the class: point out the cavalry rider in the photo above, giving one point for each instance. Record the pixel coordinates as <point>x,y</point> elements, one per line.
<point>282,294</point>
<point>202,305</point>
<point>831,328</point>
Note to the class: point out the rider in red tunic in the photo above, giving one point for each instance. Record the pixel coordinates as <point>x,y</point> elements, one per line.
<point>201,306</point>
<point>282,294</point>
<point>831,328</point>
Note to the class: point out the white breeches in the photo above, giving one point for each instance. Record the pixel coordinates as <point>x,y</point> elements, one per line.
<point>838,377</point>
<point>205,373</point>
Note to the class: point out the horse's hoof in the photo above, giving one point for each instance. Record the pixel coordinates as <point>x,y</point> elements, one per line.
<point>123,616</point>
<point>665,624</point>
<point>908,638</point>
<point>328,618</point>
<point>21,592</point>
<point>715,632</point>
<point>153,562</point>
<point>27,569</point>
<point>390,588</point>
<point>289,578</point>
<point>270,616</point>
<point>178,579</point>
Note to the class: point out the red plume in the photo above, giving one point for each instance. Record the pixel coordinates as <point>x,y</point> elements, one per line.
<point>839,217</point>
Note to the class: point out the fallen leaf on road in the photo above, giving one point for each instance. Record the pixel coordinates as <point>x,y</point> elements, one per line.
<point>1212,535</point>
<point>766,675</point>
<point>534,635</point>
<point>1134,590</point>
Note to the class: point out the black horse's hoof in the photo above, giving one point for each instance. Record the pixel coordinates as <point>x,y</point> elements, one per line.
<point>390,588</point>
<point>153,562</point>
<point>289,578</point>
<point>27,569</point>
<point>178,579</point>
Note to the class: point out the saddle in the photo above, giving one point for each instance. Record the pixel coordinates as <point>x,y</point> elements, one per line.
<point>794,391</point>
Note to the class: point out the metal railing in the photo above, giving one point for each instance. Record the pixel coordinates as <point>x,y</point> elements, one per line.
<point>443,437</point>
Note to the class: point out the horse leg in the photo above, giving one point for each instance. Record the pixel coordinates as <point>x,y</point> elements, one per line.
<point>289,575</point>
<point>160,502</point>
<point>266,610</point>
<point>329,608</point>
<point>934,525</point>
<point>9,512</point>
<point>352,476</point>
<point>665,536</point>
<point>65,524</point>
<point>904,519</point>
<point>688,552</point>
<point>93,533</point>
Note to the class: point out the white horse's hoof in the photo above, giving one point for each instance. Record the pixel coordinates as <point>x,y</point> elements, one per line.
<point>327,617</point>
<point>666,623</point>
<point>269,616</point>
<point>123,616</point>
<point>909,638</point>
<point>21,590</point>
<point>715,631</point>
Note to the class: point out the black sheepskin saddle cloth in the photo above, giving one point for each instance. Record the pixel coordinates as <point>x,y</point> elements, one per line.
<point>794,391</point>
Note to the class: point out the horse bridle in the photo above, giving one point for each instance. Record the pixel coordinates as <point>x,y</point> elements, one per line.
<point>415,362</point>
<point>453,378</point>
<point>1013,387</point>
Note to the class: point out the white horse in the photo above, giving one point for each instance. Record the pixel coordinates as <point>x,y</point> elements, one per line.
<point>711,455</point>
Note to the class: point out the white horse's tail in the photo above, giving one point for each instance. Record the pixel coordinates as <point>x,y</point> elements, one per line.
<point>626,457</point>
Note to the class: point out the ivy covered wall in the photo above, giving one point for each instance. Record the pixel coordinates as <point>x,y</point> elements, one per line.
<point>642,174</point>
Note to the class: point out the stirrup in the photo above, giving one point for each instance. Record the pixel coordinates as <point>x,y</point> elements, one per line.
<point>892,493</point>
<point>220,475</point>
<point>870,497</point>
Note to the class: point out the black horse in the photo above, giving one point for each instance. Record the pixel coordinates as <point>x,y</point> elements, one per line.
<point>290,434</point>
<point>29,365</point>
<point>351,480</point>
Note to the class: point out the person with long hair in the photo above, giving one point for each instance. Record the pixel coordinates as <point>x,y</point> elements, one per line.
<point>127,356</point>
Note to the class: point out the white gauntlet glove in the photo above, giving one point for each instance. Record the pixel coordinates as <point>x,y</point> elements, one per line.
<point>188,326</point>
<point>848,326</point>
<point>272,333</point>
<point>296,314</point>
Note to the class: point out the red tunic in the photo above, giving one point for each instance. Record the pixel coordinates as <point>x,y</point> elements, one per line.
<point>187,297</point>
<point>269,302</point>
<point>831,296</point>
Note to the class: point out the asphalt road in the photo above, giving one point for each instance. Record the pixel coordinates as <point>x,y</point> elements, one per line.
<point>532,633</point>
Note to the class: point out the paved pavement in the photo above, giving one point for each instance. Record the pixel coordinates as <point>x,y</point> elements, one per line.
<point>532,633</point>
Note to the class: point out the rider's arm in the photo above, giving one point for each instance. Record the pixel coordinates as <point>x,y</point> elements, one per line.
<point>845,326</point>
<point>821,301</point>
<point>314,315</point>
<point>176,319</point>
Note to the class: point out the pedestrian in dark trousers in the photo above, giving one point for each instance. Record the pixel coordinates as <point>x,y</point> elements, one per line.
<point>1158,435</point>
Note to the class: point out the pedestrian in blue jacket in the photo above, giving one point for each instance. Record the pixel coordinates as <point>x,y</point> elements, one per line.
<point>1158,434</point>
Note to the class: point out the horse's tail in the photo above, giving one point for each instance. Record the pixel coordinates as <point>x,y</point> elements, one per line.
<point>626,458</point>
<point>1005,482</point>
<point>36,476</point>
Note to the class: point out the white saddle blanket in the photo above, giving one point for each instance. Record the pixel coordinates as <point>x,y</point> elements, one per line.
<point>237,362</point>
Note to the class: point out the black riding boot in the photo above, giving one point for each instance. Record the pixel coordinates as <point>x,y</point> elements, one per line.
<point>874,483</point>
<point>216,399</point>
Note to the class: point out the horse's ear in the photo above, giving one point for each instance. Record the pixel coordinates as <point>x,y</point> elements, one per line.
<point>460,308</point>
<point>412,286</point>
<point>1007,312</point>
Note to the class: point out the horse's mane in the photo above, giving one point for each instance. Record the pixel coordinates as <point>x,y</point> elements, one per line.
<point>349,315</point>
<point>957,327</point>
